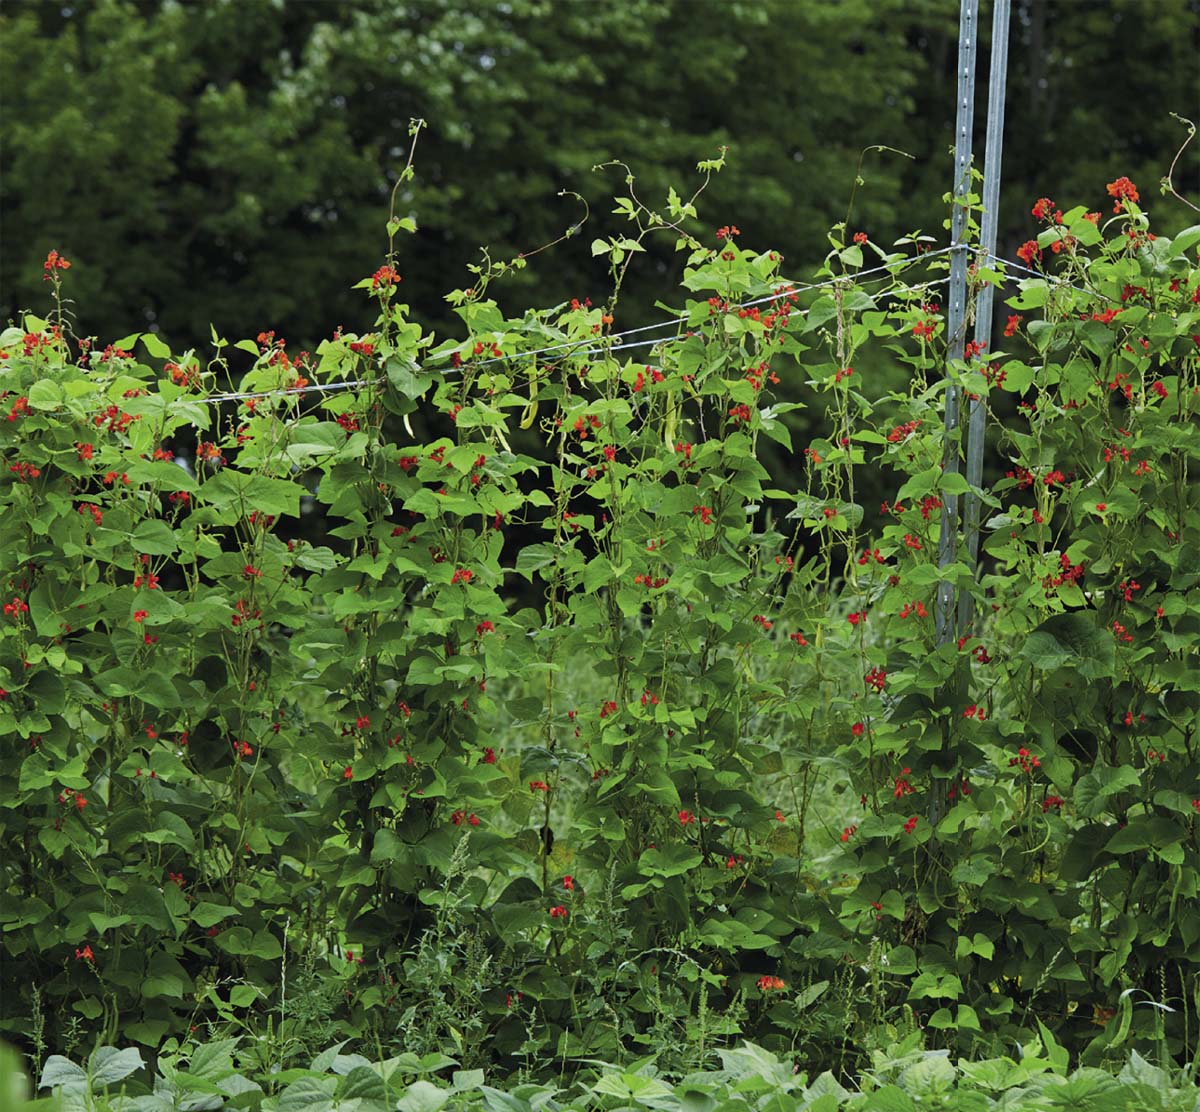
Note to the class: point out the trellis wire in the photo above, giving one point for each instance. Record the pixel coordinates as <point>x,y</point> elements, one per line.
<point>331,387</point>
<point>670,323</point>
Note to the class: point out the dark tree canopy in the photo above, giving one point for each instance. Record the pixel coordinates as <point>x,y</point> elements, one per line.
<point>229,162</point>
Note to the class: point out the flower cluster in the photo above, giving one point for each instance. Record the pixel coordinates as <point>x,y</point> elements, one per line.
<point>385,276</point>
<point>1025,760</point>
<point>54,261</point>
<point>1122,190</point>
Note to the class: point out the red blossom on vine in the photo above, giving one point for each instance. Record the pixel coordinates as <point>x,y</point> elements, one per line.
<point>385,276</point>
<point>1122,190</point>
<point>1025,760</point>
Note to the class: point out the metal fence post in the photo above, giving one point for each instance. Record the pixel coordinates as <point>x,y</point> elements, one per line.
<point>977,419</point>
<point>968,25</point>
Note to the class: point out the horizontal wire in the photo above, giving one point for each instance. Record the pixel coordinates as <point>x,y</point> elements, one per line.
<point>673,323</point>
<point>1050,278</point>
<point>665,339</point>
<point>314,388</point>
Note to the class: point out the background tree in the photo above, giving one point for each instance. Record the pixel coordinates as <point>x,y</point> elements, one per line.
<point>242,153</point>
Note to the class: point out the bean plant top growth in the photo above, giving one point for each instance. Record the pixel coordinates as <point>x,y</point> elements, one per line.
<point>583,734</point>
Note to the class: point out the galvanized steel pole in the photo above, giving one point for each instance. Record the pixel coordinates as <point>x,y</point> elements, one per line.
<point>977,419</point>
<point>968,25</point>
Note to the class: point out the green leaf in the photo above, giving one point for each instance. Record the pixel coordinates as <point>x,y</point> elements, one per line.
<point>670,860</point>
<point>1144,831</point>
<point>250,493</point>
<point>108,1065</point>
<point>889,1098</point>
<point>60,1072</point>
<point>242,996</point>
<point>1095,788</point>
<point>45,394</point>
<point>423,1096</point>
<point>154,538</point>
<point>308,1094</point>
<point>1182,243</point>
<point>155,346</point>
<point>1074,641</point>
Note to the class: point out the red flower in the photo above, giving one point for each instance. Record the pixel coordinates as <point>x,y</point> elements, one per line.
<point>54,261</point>
<point>348,774</point>
<point>902,432</point>
<point>705,513</point>
<point>1026,760</point>
<point>89,508</point>
<point>848,832</point>
<point>85,954</point>
<point>558,912</point>
<point>251,572</point>
<point>1014,323</point>
<point>14,608</point>
<point>910,825</point>
<point>686,818</point>
<point>770,984</point>
<point>1122,190</point>
<point>462,575</point>
<point>140,615</point>
<point>860,238</point>
<point>1028,251</point>
<point>858,729</point>
<point>384,276</point>
<point>1043,209</point>
<point>538,786</point>
<point>569,883</point>
<point>856,617</point>
<point>489,756</point>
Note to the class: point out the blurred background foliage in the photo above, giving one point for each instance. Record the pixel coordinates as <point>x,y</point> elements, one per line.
<point>229,161</point>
